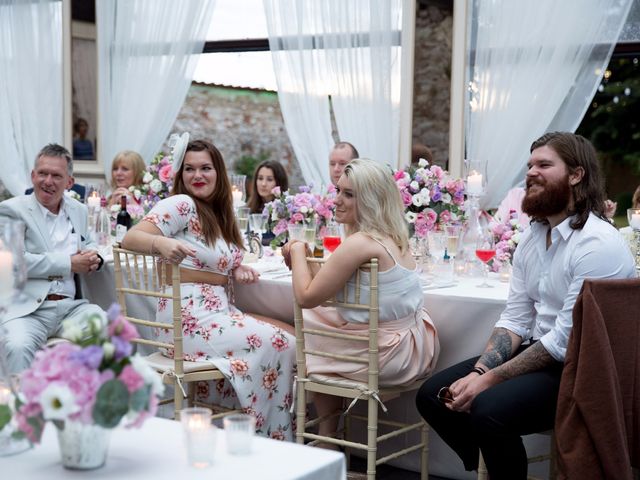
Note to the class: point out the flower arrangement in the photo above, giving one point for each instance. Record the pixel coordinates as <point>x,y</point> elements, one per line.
<point>302,207</point>
<point>507,237</point>
<point>156,182</point>
<point>92,380</point>
<point>430,196</point>
<point>136,211</point>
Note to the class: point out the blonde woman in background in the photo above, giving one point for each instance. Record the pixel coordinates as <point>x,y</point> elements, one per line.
<point>127,169</point>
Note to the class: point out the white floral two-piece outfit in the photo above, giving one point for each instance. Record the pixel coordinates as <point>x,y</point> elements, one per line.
<point>256,358</point>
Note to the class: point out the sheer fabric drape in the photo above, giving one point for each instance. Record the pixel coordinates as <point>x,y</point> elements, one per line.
<point>147,52</point>
<point>349,51</point>
<point>534,68</point>
<point>30,86</point>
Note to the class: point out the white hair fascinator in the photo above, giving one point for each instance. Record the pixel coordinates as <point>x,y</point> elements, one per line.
<point>178,144</point>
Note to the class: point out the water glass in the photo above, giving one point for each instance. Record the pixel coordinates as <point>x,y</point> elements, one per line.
<point>239,429</point>
<point>199,436</point>
<point>296,231</point>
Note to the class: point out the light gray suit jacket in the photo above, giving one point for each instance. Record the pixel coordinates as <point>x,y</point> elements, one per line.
<point>43,264</point>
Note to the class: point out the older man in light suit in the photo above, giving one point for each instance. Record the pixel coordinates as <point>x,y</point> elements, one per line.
<point>57,248</point>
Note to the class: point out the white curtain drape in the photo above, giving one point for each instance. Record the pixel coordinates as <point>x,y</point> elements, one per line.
<point>147,52</point>
<point>534,68</point>
<point>349,51</point>
<point>30,86</point>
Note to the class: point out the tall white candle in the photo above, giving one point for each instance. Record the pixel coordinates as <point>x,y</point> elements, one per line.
<point>635,221</point>
<point>474,183</point>
<point>94,200</point>
<point>237,196</point>
<point>6,276</point>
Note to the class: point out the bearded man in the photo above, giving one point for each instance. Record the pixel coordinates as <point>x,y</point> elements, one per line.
<point>489,401</point>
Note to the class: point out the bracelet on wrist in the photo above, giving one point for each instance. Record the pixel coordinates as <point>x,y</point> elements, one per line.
<point>478,370</point>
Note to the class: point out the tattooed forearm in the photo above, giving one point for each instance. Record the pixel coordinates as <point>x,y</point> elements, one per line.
<point>499,349</point>
<point>533,358</point>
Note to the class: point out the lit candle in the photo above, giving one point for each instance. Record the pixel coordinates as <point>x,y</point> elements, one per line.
<point>474,183</point>
<point>237,196</point>
<point>635,221</point>
<point>94,200</point>
<point>5,395</point>
<point>6,276</point>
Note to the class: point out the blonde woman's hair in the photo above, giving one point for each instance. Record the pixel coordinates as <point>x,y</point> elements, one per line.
<point>134,161</point>
<point>379,207</point>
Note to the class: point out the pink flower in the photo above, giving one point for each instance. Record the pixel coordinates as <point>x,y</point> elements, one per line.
<point>276,191</point>
<point>239,367</point>
<point>131,379</point>
<point>122,328</point>
<point>254,341</point>
<point>297,218</point>
<point>407,198</point>
<point>165,173</point>
<point>279,341</point>
<point>270,379</point>
<point>280,227</point>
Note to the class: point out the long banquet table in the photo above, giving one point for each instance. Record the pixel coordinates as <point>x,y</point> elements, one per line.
<point>156,452</point>
<point>463,314</point>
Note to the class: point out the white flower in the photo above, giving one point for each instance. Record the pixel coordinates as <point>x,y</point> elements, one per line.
<point>274,215</point>
<point>422,162</point>
<point>417,200</point>
<point>415,186</point>
<point>410,217</point>
<point>303,209</point>
<point>514,223</point>
<point>426,196</point>
<point>149,375</point>
<point>155,185</point>
<point>72,330</point>
<point>57,402</point>
<point>109,350</point>
<point>516,238</point>
<point>446,198</point>
<point>147,177</point>
<point>137,193</point>
<point>115,208</point>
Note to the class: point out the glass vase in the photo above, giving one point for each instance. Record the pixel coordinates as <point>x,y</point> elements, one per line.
<point>82,446</point>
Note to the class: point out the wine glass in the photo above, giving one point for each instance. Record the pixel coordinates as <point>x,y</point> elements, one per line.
<point>331,239</point>
<point>296,231</point>
<point>310,233</point>
<point>453,236</point>
<point>258,223</point>
<point>485,251</point>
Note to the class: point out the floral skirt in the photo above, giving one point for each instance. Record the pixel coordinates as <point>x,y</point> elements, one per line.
<point>408,347</point>
<point>256,358</point>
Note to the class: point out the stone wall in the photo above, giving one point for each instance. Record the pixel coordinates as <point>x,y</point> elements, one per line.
<point>239,122</point>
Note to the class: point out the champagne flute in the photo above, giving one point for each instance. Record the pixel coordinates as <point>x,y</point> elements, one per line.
<point>485,251</point>
<point>242,216</point>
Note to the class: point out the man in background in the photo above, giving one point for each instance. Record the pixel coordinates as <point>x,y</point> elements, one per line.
<point>341,154</point>
<point>57,248</point>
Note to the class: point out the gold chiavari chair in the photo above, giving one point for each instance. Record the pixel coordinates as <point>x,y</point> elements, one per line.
<point>351,390</point>
<point>146,276</point>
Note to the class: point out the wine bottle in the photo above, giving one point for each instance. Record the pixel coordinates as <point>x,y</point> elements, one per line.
<point>123,220</point>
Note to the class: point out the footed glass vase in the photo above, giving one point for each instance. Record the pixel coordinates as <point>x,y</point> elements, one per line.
<point>83,447</point>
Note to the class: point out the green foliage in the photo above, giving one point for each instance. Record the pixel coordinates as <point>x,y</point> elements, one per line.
<point>248,163</point>
<point>112,403</point>
<point>5,415</point>
<point>612,122</point>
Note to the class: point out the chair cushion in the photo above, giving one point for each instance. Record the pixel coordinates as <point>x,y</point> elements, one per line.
<point>162,364</point>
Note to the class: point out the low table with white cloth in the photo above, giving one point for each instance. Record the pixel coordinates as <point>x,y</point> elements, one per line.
<point>463,314</point>
<point>156,451</point>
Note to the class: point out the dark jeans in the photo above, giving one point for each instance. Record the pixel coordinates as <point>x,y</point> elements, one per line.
<point>499,416</point>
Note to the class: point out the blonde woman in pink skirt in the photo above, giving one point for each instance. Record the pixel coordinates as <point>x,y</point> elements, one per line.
<point>369,206</point>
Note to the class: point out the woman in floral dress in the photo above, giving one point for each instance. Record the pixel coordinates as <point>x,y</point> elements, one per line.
<point>195,227</point>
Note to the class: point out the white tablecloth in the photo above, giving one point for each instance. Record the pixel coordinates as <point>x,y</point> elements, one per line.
<point>464,316</point>
<point>156,451</point>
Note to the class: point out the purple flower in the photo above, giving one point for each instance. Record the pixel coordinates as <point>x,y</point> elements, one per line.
<point>90,356</point>
<point>123,348</point>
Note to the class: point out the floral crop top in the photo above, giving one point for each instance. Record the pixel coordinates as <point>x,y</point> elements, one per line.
<point>176,217</point>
